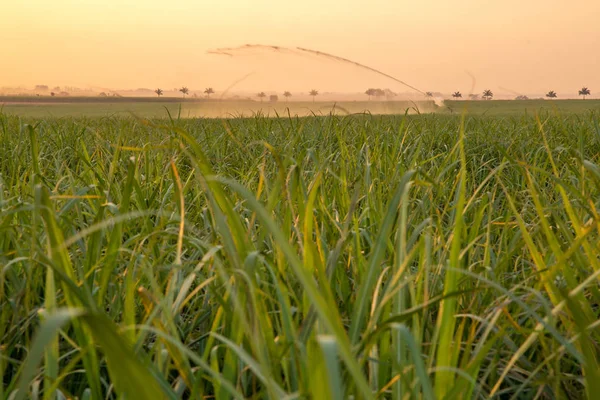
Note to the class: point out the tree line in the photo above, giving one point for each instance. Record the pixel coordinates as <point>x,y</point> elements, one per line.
<point>488,94</point>
<point>371,92</point>
<point>208,91</point>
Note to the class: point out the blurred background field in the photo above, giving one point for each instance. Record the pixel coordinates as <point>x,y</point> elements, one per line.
<point>157,108</point>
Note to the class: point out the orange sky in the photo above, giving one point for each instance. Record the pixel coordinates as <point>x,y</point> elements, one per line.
<point>527,46</point>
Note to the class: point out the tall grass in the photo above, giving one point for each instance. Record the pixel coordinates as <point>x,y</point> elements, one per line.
<point>333,257</point>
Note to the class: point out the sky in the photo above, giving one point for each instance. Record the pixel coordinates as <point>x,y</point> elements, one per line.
<point>510,46</point>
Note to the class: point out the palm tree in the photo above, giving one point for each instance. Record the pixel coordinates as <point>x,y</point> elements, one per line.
<point>551,94</point>
<point>584,92</point>
<point>159,92</point>
<point>262,95</point>
<point>314,93</point>
<point>487,94</point>
<point>457,95</point>
<point>208,92</point>
<point>370,92</point>
<point>184,90</point>
<point>428,94</point>
<point>287,94</point>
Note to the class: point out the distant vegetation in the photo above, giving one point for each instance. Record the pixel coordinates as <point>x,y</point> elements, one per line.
<point>487,94</point>
<point>378,93</point>
<point>375,92</point>
<point>584,92</point>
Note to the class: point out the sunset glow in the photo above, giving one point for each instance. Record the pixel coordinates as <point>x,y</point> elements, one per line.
<point>434,45</point>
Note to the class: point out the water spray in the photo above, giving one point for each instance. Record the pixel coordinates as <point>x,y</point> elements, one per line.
<point>231,51</point>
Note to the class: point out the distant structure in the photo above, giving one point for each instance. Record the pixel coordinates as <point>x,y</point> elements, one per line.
<point>273,98</point>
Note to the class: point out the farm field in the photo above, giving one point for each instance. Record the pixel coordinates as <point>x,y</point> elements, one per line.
<point>47,107</point>
<point>193,108</point>
<point>422,256</point>
<point>521,107</point>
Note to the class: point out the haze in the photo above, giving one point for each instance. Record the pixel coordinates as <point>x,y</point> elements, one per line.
<point>510,45</point>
